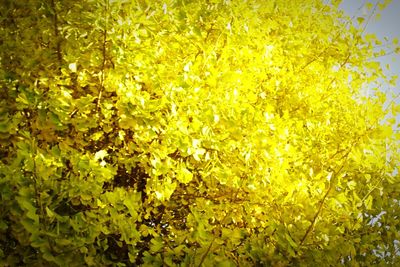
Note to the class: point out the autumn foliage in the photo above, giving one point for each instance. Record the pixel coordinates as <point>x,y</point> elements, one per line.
<point>194,133</point>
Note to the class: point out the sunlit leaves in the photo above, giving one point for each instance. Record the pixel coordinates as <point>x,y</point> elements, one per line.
<point>179,132</point>
<point>184,175</point>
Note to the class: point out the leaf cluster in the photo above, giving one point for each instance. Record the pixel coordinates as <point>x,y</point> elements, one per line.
<point>208,133</point>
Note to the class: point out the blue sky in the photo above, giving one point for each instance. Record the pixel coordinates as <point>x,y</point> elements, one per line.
<point>388,25</point>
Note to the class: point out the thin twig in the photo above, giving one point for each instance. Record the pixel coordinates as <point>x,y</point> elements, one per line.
<point>322,202</point>
<point>207,251</point>
<point>56,33</point>
<point>212,241</point>
<point>104,54</point>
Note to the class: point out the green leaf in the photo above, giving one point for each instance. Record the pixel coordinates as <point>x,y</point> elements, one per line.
<point>30,226</point>
<point>290,240</point>
<point>226,263</point>
<point>26,205</point>
<point>360,20</point>
<point>50,213</point>
<point>5,126</point>
<point>132,204</point>
<point>3,225</point>
<point>156,245</point>
<point>368,202</point>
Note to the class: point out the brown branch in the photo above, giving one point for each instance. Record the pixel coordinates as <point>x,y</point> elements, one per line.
<point>104,54</point>
<point>335,38</point>
<point>316,215</point>
<point>207,251</point>
<point>324,97</point>
<point>212,241</point>
<point>322,202</point>
<point>35,186</point>
<point>56,33</point>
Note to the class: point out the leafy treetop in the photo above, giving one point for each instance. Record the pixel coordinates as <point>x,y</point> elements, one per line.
<point>200,133</point>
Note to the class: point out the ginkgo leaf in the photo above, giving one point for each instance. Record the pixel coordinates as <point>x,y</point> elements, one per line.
<point>184,175</point>
<point>360,20</point>
<point>368,202</point>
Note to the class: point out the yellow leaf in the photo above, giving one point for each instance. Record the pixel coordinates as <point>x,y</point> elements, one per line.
<point>184,175</point>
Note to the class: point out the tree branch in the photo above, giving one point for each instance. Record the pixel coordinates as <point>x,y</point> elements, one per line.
<point>56,33</point>
<point>322,201</point>
<point>104,54</point>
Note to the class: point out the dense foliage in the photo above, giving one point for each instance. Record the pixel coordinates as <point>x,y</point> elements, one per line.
<point>200,133</point>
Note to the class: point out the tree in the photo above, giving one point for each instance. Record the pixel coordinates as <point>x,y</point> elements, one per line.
<point>200,133</point>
